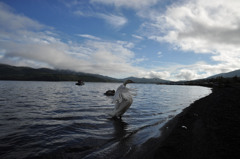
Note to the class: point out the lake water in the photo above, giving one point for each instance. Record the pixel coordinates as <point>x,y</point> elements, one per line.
<point>62,120</point>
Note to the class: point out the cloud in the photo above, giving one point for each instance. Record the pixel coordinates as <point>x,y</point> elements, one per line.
<point>89,36</point>
<point>201,27</point>
<point>186,74</point>
<point>137,37</point>
<point>135,4</point>
<point>159,53</point>
<point>115,20</point>
<point>155,74</point>
<point>79,13</point>
<point>35,45</point>
<point>16,21</point>
<point>91,10</point>
<point>111,57</point>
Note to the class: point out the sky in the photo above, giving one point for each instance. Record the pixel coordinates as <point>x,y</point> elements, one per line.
<point>167,39</point>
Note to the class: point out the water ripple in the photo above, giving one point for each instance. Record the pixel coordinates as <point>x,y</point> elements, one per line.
<point>45,118</point>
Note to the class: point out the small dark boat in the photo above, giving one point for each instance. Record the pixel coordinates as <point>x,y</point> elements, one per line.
<point>80,83</point>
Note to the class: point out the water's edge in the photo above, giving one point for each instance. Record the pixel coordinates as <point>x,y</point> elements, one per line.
<point>62,120</point>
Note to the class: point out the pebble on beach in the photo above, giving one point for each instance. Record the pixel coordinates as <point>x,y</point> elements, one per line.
<point>184,127</point>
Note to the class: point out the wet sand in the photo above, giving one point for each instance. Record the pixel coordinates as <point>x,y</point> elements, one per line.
<point>208,128</point>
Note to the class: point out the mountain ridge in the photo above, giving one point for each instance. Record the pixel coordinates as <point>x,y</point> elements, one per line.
<point>227,75</point>
<point>22,73</point>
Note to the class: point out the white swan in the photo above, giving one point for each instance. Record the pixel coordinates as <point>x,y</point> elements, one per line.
<point>122,99</point>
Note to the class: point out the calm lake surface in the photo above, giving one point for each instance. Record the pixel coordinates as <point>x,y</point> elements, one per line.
<point>61,120</point>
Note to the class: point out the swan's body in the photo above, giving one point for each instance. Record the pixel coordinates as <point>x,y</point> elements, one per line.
<point>122,99</point>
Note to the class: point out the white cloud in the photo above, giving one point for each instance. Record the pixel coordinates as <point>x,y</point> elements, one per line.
<point>79,13</point>
<point>137,37</point>
<point>16,21</point>
<point>84,9</point>
<point>200,26</point>
<point>89,36</point>
<point>110,57</point>
<point>29,43</point>
<point>135,4</point>
<point>115,20</point>
<point>159,53</point>
<point>186,74</point>
<point>36,45</point>
<point>139,60</point>
<point>155,74</point>
<point>126,44</point>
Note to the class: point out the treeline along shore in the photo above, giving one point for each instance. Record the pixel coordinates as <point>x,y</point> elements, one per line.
<point>207,129</point>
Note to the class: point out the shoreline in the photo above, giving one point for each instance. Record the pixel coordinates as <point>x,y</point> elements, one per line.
<point>208,128</point>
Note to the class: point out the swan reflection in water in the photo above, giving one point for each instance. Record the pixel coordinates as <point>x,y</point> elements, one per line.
<point>120,128</point>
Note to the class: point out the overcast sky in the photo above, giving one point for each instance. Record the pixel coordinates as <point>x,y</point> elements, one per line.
<point>168,39</point>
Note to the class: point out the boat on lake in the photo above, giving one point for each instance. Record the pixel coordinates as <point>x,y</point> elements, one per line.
<point>80,83</point>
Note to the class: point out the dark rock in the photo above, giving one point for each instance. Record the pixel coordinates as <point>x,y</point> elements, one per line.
<point>109,93</point>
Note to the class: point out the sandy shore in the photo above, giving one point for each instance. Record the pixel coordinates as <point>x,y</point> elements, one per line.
<point>208,128</point>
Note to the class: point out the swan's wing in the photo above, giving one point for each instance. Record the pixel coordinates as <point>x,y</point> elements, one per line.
<point>117,98</point>
<point>126,95</point>
<point>117,106</point>
<point>121,94</point>
<point>122,99</point>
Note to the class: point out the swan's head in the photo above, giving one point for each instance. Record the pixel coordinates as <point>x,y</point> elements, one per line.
<point>127,81</point>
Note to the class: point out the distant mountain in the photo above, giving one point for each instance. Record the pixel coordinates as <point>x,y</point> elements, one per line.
<point>227,75</point>
<point>146,80</point>
<point>8,72</point>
